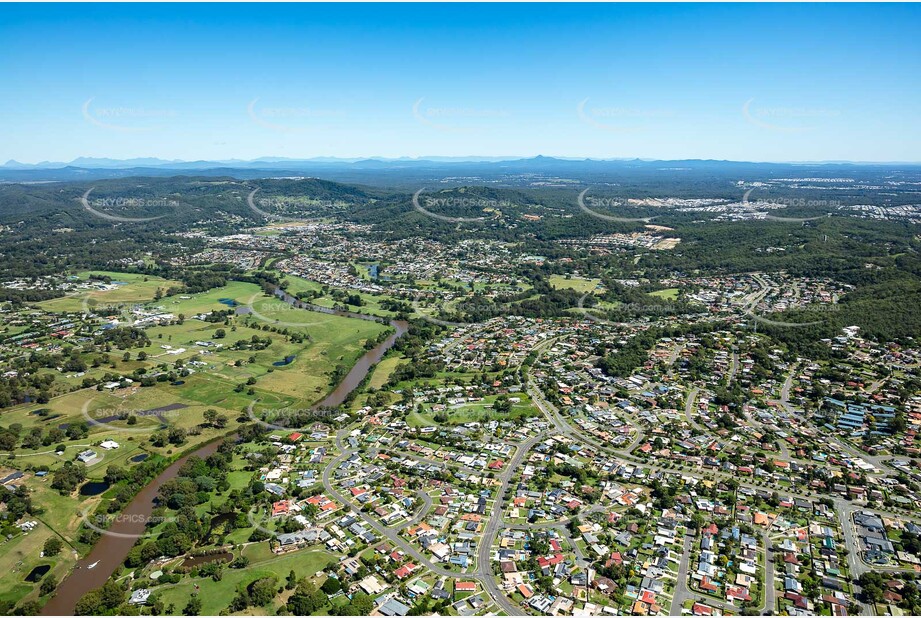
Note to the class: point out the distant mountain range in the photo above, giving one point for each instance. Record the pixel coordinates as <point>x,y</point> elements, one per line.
<point>261,162</point>
<point>409,172</point>
<point>292,163</point>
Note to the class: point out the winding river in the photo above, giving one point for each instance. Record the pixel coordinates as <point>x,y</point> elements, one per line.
<point>112,549</point>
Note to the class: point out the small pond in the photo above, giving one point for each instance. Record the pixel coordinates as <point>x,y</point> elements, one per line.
<point>93,488</point>
<point>222,518</point>
<point>38,572</point>
<point>197,560</point>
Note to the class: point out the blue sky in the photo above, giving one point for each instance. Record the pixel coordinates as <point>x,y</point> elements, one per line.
<point>776,82</point>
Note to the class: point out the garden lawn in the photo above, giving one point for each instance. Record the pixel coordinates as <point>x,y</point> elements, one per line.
<point>216,596</point>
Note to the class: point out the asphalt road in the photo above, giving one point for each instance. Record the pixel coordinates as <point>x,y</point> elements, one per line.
<point>484,550</point>
<point>842,507</point>
<point>681,585</point>
<point>483,573</point>
<point>689,409</point>
<point>770,592</point>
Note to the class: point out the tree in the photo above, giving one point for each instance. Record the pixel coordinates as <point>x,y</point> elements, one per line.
<point>29,608</point>
<point>306,599</point>
<point>874,586</point>
<point>111,595</point>
<point>193,607</point>
<point>176,435</point>
<point>331,585</point>
<point>362,603</point>
<point>49,584</point>
<point>697,521</point>
<point>52,546</point>
<point>89,604</point>
<point>67,477</point>
<point>262,591</point>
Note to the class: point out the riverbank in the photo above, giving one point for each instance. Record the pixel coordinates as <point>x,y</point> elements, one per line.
<point>110,551</point>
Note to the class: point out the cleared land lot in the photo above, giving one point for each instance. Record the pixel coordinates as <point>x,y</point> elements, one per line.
<point>576,283</point>
<point>668,293</point>
<point>136,288</point>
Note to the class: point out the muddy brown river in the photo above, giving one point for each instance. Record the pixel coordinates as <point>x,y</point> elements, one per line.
<point>353,378</point>
<point>112,549</point>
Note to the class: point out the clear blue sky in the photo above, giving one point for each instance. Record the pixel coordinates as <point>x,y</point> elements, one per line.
<point>772,82</point>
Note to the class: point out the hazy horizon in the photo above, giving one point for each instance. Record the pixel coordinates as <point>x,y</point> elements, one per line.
<point>759,83</point>
<point>153,161</point>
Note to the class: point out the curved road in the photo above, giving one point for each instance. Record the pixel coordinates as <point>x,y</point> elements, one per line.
<point>483,572</point>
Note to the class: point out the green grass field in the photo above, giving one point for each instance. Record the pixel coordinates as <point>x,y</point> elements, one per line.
<point>576,283</point>
<point>471,412</point>
<point>296,285</point>
<point>190,304</point>
<point>138,288</point>
<point>216,596</point>
<point>667,294</point>
<point>384,370</point>
<point>19,555</point>
<point>372,302</point>
<point>331,341</point>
